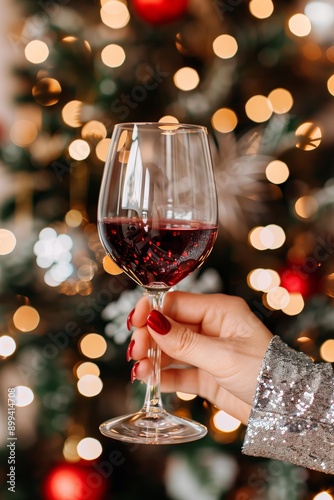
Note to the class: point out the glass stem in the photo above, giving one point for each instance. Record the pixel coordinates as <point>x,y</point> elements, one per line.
<point>153,402</point>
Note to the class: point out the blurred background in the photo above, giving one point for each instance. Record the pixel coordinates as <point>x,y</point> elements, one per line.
<point>260,75</point>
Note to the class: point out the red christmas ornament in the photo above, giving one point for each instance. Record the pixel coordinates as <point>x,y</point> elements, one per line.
<point>295,281</point>
<point>74,482</point>
<point>159,12</point>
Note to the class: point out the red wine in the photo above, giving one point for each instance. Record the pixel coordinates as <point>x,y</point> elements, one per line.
<point>165,251</point>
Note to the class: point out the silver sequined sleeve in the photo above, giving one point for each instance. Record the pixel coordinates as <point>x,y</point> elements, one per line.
<point>292,418</point>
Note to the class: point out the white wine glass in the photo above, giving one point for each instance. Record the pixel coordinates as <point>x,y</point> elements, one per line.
<point>157,220</point>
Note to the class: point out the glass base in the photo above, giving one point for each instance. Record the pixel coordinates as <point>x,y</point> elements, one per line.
<point>154,427</point>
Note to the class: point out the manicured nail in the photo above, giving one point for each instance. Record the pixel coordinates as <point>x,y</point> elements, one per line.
<point>158,322</point>
<point>129,318</point>
<point>129,350</point>
<point>134,371</point>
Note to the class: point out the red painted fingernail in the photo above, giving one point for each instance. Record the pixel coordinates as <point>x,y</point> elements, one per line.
<point>129,350</point>
<point>129,318</point>
<point>158,322</point>
<point>134,371</point>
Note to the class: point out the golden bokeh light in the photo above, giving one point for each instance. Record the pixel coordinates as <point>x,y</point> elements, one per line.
<point>311,51</point>
<point>186,79</point>
<point>93,345</point>
<point>7,241</point>
<point>89,448</point>
<point>299,25</point>
<point>36,51</point>
<point>102,149</point>
<point>113,55</point>
<point>70,449</point>
<point>330,85</point>
<point>87,368</point>
<point>24,396</point>
<point>296,304</point>
<point>26,318</point>
<point>89,385</point>
<point>186,396</point>
<point>47,91</point>
<point>263,279</point>
<point>258,108</point>
<point>115,14</point>
<point>277,172</point>
<point>168,119</point>
<point>224,120</point>
<point>7,346</point>
<point>278,297</point>
<point>261,9</point>
<point>73,218</point>
<point>306,206</point>
<point>254,238</point>
<point>23,133</point>
<point>224,422</point>
<point>110,266</point>
<point>327,351</point>
<point>79,149</point>
<point>281,100</point>
<point>323,495</point>
<point>225,46</point>
<point>272,236</point>
<point>94,131</point>
<point>330,53</point>
<point>71,113</point>
<point>308,136</point>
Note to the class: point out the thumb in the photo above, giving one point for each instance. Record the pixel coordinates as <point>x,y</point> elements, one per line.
<point>181,343</point>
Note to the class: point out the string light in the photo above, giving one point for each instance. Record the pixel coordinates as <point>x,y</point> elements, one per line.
<point>281,100</point>
<point>258,108</point>
<point>278,298</point>
<point>79,149</point>
<point>296,304</point>
<point>89,385</point>
<point>299,25</point>
<point>87,368</point>
<point>306,206</point>
<point>24,396</point>
<point>263,279</point>
<point>277,172</point>
<point>36,51</point>
<point>113,55</point>
<point>115,14</point>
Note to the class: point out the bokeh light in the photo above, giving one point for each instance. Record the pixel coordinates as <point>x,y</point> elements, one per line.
<point>71,113</point>
<point>113,55</point>
<point>94,131</point>
<point>306,206</point>
<point>308,136</point>
<point>26,318</point>
<point>299,25</point>
<point>102,149</point>
<point>270,237</point>
<point>79,149</point>
<point>89,448</point>
<point>36,51</point>
<point>277,172</point>
<point>7,346</point>
<point>258,108</point>
<point>93,345</point>
<point>278,297</point>
<point>186,396</point>
<point>263,279</point>
<point>225,422</point>
<point>261,9</point>
<point>330,85</point>
<point>225,46</point>
<point>7,241</point>
<point>70,451</point>
<point>73,218</point>
<point>186,79</point>
<point>110,266</point>
<point>87,368</point>
<point>224,120</point>
<point>23,133</point>
<point>168,119</point>
<point>323,495</point>
<point>281,100</point>
<point>24,396</point>
<point>327,351</point>
<point>115,14</point>
<point>47,91</point>
<point>89,385</point>
<point>296,304</point>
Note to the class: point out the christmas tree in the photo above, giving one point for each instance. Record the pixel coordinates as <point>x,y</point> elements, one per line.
<point>259,76</point>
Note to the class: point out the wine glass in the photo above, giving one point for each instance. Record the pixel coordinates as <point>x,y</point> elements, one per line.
<point>157,219</point>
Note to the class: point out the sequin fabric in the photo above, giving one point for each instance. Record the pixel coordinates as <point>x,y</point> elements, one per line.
<point>292,418</point>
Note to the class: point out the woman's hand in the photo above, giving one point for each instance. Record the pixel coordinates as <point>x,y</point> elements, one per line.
<point>218,341</point>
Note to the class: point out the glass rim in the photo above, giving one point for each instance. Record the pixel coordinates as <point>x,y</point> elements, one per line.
<point>159,125</point>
